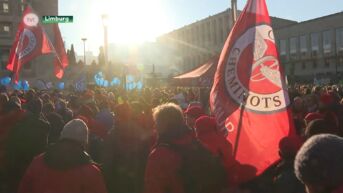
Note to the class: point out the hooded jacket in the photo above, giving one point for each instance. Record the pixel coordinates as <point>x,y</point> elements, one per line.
<point>62,169</point>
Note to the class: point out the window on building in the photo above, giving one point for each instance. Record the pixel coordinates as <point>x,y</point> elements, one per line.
<point>203,31</point>
<point>4,58</point>
<point>293,45</point>
<point>5,28</point>
<point>208,32</point>
<point>4,7</point>
<point>314,64</point>
<point>327,63</point>
<point>215,32</point>
<point>283,47</point>
<point>327,41</point>
<point>339,40</point>
<point>221,32</point>
<point>315,42</point>
<point>303,44</point>
<point>303,66</point>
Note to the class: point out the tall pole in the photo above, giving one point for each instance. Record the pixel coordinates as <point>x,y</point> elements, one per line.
<point>84,50</point>
<point>105,25</point>
<point>234,11</point>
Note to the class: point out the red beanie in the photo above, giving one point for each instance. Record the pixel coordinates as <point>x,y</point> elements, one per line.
<point>205,123</point>
<point>313,116</point>
<point>327,99</point>
<point>195,112</point>
<point>289,146</point>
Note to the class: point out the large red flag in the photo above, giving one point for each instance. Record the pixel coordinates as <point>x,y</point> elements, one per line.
<point>30,42</point>
<point>249,84</point>
<point>61,58</point>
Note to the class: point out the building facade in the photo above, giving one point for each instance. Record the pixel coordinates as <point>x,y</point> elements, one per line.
<point>194,44</point>
<point>307,49</point>
<point>10,16</point>
<point>312,49</point>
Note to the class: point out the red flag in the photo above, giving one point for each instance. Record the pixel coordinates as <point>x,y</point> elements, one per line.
<point>249,73</point>
<point>30,42</point>
<point>61,58</point>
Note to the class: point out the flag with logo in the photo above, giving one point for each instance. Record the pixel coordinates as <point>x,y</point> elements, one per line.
<point>249,96</point>
<point>30,42</point>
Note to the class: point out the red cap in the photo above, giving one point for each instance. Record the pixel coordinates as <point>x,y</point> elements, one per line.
<point>289,146</point>
<point>313,116</point>
<point>195,112</point>
<point>327,99</point>
<point>205,123</point>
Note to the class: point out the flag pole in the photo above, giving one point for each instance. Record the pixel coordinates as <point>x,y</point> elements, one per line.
<point>239,127</point>
<point>234,11</point>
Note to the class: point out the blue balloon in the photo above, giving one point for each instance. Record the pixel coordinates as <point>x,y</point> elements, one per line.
<point>130,78</point>
<point>115,82</point>
<point>139,85</point>
<point>6,81</point>
<point>60,85</point>
<point>25,85</point>
<point>106,83</point>
<point>17,86</point>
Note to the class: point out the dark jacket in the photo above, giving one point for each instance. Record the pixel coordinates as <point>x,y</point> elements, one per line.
<point>27,139</point>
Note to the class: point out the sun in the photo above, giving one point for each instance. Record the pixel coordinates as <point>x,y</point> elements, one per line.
<point>133,21</point>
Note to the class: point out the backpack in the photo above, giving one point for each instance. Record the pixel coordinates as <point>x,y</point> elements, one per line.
<point>200,172</point>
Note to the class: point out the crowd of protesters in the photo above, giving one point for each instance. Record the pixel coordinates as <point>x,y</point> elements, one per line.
<point>157,141</point>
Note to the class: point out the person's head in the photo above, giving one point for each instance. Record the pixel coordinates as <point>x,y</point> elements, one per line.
<point>75,130</point>
<point>288,147</point>
<point>35,106</point>
<point>326,102</point>
<point>319,163</point>
<point>315,127</point>
<point>57,123</point>
<point>192,114</point>
<point>298,104</point>
<point>312,116</point>
<point>169,121</point>
<point>48,108</point>
<point>205,124</point>
<point>3,100</point>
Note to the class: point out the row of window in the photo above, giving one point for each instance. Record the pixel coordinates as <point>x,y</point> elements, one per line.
<point>5,7</point>
<point>314,65</point>
<point>318,41</point>
<point>211,32</point>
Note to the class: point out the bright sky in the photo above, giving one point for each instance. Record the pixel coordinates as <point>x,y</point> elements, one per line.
<point>134,21</point>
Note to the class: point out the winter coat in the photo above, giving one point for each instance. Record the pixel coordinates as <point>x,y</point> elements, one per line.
<point>161,174</point>
<point>27,139</point>
<point>61,169</point>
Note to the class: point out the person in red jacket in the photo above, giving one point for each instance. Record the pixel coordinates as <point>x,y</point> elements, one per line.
<point>65,167</point>
<point>161,174</point>
<point>206,132</point>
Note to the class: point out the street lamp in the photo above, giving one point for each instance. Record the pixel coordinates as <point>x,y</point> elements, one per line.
<point>105,25</point>
<point>234,11</point>
<point>84,50</point>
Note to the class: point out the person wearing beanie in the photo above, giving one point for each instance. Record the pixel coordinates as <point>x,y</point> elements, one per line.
<point>319,164</point>
<point>192,114</point>
<point>65,166</point>
<point>285,180</point>
<point>206,133</point>
<point>209,136</point>
<point>319,126</point>
<point>27,138</point>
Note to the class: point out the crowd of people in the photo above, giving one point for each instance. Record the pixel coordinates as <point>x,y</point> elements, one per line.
<point>157,140</point>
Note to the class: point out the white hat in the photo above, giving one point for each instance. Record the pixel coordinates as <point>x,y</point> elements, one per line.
<point>77,130</point>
